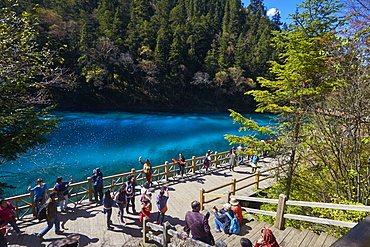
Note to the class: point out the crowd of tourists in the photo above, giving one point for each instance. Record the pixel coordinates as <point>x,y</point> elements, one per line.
<point>228,219</point>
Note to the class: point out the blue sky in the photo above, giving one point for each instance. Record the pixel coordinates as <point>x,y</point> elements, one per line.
<point>285,7</point>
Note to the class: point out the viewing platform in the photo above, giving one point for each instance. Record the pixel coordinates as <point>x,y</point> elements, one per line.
<point>88,221</point>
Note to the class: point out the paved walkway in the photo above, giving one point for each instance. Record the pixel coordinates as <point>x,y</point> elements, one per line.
<point>88,221</point>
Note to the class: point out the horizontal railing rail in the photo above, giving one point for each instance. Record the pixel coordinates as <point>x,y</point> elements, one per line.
<point>80,191</point>
<point>232,187</point>
<point>282,203</point>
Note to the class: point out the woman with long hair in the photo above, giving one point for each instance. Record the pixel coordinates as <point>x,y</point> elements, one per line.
<point>107,207</point>
<point>121,199</point>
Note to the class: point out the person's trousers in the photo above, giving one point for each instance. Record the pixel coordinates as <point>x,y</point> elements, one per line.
<point>38,204</point>
<point>131,200</point>
<point>160,218</point>
<point>219,224</point>
<point>121,208</point>
<point>64,203</point>
<point>207,239</point>
<point>14,225</point>
<point>148,177</point>
<point>56,222</point>
<point>98,191</point>
<point>109,215</point>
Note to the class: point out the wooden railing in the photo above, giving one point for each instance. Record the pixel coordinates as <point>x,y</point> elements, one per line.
<point>232,187</point>
<point>167,233</point>
<point>282,203</point>
<point>80,191</point>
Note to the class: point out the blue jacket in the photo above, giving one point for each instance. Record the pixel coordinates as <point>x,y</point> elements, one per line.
<point>224,219</point>
<point>38,191</point>
<point>97,178</point>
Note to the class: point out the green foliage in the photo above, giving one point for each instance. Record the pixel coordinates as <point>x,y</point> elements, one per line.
<point>252,141</point>
<point>321,91</point>
<point>28,76</point>
<point>160,47</point>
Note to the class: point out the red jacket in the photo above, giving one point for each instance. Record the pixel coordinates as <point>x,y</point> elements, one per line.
<point>7,213</point>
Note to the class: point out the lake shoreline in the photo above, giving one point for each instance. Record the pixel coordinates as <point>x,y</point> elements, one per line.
<point>165,109</point>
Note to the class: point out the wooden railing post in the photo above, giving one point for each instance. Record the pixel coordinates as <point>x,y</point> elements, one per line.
<point>166,236</point>
<point>17,211</point>
<point>145,231</point>
<point>216,159</point>
<point>32,195</point>
<point>90,188</point>
<point>133,171</point>
<point>167,170</point>
<point>227,193</point>
<point>257,180</point>
<point>201,199</point>
<point>279,224</point>
<point>233,186</point>
<point>193,164</point>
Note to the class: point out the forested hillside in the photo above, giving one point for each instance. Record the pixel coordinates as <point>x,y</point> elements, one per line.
<point>167,54</point>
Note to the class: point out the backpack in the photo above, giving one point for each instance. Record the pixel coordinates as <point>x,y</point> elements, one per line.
<point>205,160</point>
<point>234,225</point>
<point>130,190</point>
<point>41,214</point>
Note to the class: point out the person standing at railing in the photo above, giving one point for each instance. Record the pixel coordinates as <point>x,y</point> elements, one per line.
<point>51,216</point>
<point>207,160</point>
<point>232,160</point>
<point>121,199</point>
<point>197,224</point>
<point>61,187</point>
<point>147,170</point>
<point>97,179</point>
<point>39,194</point>
<point>161,201</point>
<point>7,213</point>
<point>181,162</point>
<point>130,192</point>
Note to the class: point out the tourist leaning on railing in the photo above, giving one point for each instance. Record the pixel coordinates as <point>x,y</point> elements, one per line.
<point>39,193</point>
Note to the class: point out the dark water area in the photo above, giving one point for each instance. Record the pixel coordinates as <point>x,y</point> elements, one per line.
<point>113,141</point>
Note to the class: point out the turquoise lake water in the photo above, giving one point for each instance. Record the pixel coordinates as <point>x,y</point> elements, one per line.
<point>113,141</point>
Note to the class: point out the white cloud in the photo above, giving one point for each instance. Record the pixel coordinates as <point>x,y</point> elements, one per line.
<point>272,12</point>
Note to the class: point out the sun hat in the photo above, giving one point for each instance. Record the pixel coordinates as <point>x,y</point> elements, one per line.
<point>234,202</point>
<point>227,206</point>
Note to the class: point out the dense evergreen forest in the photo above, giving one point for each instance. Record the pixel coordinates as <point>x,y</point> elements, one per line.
<point>161,54</point>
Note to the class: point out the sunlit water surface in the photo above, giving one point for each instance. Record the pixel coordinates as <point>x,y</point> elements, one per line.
<point>113,141</point>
